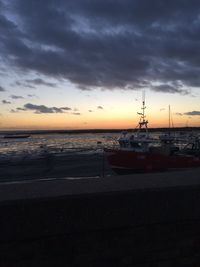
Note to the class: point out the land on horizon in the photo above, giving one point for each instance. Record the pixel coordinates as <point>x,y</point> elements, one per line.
<point>80,131</point>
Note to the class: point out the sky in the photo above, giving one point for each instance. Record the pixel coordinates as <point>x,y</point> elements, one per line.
<point>84,64</point>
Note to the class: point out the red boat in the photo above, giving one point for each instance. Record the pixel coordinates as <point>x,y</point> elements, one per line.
<point>140,153</point>
<point>125,162</point>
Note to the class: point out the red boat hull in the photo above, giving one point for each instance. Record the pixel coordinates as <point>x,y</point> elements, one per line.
<point>122,161</point>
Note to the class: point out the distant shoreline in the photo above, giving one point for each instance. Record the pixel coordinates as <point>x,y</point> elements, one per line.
<point>32,132</point>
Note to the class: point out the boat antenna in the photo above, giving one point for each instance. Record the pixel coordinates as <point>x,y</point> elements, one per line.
<point>143,121</point>
<point>171,123</point>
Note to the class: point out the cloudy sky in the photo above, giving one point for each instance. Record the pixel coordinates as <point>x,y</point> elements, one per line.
<point>85,63</point>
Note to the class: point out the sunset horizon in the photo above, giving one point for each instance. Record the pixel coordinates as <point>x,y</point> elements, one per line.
<point>76,66</point>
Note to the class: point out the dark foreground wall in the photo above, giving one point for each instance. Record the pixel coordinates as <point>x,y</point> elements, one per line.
<point>139,220</point>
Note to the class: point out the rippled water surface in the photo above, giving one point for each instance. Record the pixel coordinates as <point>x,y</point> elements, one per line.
<point>54,143</point>
<point>38,144</point>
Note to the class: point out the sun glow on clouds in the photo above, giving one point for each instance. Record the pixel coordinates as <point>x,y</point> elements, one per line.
<point>118,110</point>
<point>99,57</point>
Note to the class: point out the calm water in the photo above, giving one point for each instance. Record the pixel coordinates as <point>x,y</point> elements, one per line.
<point>55,143</point>
<point>44,156</point>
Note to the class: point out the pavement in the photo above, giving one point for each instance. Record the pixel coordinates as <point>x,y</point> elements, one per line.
<point>41,187</point>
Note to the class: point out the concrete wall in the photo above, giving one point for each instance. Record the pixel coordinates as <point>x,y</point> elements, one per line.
<point>139,226</point>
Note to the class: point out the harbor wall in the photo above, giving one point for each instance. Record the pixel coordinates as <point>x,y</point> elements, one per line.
<point>120,221</point>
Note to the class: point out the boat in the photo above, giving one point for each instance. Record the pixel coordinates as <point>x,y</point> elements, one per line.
<point>139,152</point>
<point>16,136</point>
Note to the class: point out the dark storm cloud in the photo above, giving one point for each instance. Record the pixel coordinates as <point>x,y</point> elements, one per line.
<point>169,89</point>
<point>13,111</point>
<point>43,109</point>
<point>39,81</point>
<point>18,83</point>
<point>6,102</point>
<point>20,109</point>
<point>66,108</point>
<point>2,89</point>
<point>76,113</point>
<point>29,86</point>
<point>192,113</point>
<point>30,95</point>
<point>100,107</point>
<point>16,97</point>
<point>128,44</point>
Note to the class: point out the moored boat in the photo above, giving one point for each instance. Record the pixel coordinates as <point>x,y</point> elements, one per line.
<point>138,152</point>
<point>16,136</point>
<point>124,162</point>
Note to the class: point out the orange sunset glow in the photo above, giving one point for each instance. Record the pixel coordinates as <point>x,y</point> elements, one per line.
<point>88,71</point>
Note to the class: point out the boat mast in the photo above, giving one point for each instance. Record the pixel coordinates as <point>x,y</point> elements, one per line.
<point>143,121</point>
<point>170,120</point>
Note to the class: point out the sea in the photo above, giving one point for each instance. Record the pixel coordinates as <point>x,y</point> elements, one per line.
<point>59,143</point>
<point>54,156</point>
<point>37,144</point>
<point>58,155</point>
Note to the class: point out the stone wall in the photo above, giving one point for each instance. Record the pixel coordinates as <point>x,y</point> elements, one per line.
<point>150,227</point>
